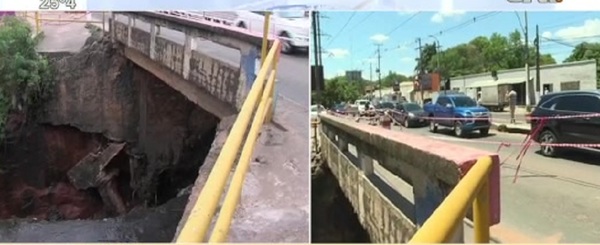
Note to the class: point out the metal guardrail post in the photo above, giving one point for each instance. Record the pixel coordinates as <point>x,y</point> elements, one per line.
<point>265,41</point>
<point>272,90</point>
<point>221,229</point>
<point>481,214</point>
<point>201,215</point>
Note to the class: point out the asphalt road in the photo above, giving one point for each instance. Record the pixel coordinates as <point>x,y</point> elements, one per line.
<point>554,200</point>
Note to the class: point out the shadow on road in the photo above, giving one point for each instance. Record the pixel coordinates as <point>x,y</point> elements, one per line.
<point>578,155</point>
<point>472,135</point>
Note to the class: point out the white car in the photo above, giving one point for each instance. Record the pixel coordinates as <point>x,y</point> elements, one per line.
<point>314,112</point>
<point>291,24</point>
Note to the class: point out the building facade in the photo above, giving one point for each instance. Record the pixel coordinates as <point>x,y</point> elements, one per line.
<point>580,75</point>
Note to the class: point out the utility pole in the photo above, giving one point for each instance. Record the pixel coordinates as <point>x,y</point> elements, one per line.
<point>528,80</point>
<point>317,54</point>
<point>537,61</point>
<point>379,69</point>
<point>420,70</point>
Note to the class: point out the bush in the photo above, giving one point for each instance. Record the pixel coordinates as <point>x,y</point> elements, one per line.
<point>24,74</point>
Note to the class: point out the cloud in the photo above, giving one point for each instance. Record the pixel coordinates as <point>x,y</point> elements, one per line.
<point>446,11</point>
<point>547,34</point>
<point>379,38</point>
<point>588,31</point>
<point>338,53</point>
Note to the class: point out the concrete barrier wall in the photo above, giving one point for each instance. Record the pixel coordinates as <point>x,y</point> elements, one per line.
<point>430,167</point>
<point>222,81</point>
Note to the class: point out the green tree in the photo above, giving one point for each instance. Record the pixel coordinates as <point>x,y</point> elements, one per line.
<point>586,51</point>
<point>337,90</point>
<point>392,78</point>
<point>24,74</point>
<point>486,54</point>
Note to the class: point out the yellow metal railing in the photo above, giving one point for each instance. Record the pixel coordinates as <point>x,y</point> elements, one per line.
<point>472,189</point>
<point>259,103</point>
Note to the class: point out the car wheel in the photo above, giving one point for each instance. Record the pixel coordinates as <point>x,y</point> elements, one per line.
<point>432,126</point>
<point>286,44</point>
<point>547,137</point>
<point>458,129</point>
<point>406,123</point>
<point>484,132</point>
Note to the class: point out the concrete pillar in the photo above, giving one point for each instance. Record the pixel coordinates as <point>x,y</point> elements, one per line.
<point>342,143</point>
<point>428,196</point>
<point>249,64</point>
<point>152,50</point>
<point>129,27</point>
<point>188,46</point>
<point>366,163</point>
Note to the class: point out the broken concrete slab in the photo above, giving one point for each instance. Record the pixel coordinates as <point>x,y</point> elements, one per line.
<point>89,172</point>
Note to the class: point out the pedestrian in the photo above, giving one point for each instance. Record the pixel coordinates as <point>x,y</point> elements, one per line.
<point>386,120</point>
<point>512,103</point>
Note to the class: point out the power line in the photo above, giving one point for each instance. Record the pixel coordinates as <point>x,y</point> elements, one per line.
<point>361,21</point>
<point>403,23</point>
<point>342,29</point>
<point>466,23</point>
<point>520,22</point>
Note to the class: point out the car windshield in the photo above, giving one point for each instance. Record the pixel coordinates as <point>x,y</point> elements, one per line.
<point>411,107</point>
<point>464,101</point>
<point>387,105</point>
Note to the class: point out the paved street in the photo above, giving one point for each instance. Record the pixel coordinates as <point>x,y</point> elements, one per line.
<point>553,200</point>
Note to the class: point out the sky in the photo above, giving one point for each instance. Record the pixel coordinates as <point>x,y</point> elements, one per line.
<point>349,38</point>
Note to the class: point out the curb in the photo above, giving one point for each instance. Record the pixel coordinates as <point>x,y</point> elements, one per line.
<point>501,127</point>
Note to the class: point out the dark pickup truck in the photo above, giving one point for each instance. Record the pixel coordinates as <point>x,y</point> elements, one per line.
<point>459,112</point>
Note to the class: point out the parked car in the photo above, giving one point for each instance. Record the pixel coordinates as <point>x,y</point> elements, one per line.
<point>459,112</point>
<point>314,112</point>
<point>386,105</point>
<point>580,130</point>
<point>410,115</point>
<point>340,109</point>
<point>291,24</point>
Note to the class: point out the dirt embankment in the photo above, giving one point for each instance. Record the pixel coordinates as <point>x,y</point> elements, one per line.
<point>112,138</point>
<point>332,216</point>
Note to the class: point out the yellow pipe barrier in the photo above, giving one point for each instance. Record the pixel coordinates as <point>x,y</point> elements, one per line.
<point>221,229</point>
<point>265,41</point>
<point>440,227</point>
<point>198,221</point>
<point>481,214</point>
<point>270,107</point>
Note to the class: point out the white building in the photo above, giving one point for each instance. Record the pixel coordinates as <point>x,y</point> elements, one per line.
<point>580,75</point>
